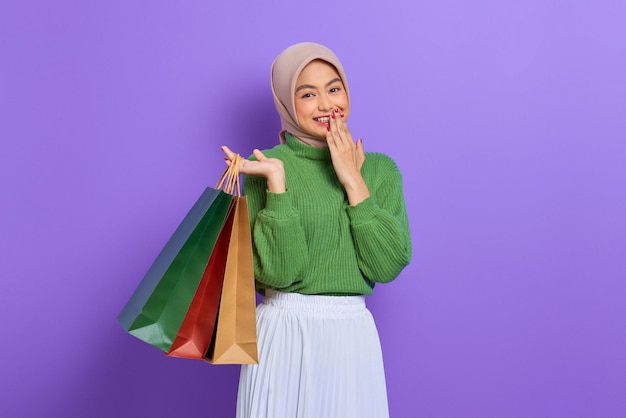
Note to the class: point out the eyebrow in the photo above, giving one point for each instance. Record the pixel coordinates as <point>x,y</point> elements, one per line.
<point>308,86</point>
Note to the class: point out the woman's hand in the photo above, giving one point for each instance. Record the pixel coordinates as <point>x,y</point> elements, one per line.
<point>270,168</point>
<point>348,158</point>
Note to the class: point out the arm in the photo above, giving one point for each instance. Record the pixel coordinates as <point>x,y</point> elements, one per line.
<point>378,218</point>
<point>279,248</point>
<point>380,229</point>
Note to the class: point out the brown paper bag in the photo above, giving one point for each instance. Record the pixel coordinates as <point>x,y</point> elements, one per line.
<point>235,340</point>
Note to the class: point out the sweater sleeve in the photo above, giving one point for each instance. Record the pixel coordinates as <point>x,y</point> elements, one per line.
<point>279,248</point>
<point>380,229</point>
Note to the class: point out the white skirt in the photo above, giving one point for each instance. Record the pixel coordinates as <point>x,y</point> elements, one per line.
<point>319,357</point>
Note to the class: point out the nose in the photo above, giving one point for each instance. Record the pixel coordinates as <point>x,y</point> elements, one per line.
<point>324,103</point>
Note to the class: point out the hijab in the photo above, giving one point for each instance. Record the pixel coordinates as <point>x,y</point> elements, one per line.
<point>285,71</point>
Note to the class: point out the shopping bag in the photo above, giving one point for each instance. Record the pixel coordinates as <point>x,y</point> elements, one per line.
<point>235,338</point>
<point>194,336</point>
<point>158,306</point>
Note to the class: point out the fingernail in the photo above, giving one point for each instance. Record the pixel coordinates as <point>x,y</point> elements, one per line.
<point>342,115</point>
<point>328,128</point>
<point>332,116</point>
<point>336,110</point>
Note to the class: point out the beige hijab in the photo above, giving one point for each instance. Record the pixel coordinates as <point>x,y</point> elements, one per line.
<point>285,71</point>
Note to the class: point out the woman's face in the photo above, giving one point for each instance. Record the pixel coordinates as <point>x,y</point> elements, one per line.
<point>319,90</point>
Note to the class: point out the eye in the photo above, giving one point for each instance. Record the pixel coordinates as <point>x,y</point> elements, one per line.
<point>335,90</point>
<point>307,95</point>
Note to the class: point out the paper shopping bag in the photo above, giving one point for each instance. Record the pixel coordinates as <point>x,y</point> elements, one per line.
<point>158,306</point>
<point>235,339</point>
<point>194,336</point>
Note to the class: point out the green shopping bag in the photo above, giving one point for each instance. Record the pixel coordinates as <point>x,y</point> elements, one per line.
<point>158,306</point>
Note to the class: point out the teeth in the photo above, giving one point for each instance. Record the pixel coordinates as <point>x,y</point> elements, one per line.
<point>323,119</point>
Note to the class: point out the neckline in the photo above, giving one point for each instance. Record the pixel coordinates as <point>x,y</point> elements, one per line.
<point>304,150</point>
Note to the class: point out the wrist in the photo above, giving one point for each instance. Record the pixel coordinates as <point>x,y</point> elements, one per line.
<point>357,191</point>
<point>276,181</point>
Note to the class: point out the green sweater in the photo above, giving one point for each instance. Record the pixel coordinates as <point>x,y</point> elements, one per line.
<point>310,240</point>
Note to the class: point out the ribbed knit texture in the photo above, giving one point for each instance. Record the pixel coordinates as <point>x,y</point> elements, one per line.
<point>310,240</point>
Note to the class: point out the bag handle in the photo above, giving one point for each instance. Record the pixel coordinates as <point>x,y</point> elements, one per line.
<point>229,181</point>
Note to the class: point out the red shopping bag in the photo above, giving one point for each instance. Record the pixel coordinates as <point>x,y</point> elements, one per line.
<point>194,335</point>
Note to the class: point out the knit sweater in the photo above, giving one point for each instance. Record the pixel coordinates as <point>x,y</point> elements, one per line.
<point>310,240</point>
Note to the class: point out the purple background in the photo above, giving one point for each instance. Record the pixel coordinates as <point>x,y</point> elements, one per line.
<point>506,118</point>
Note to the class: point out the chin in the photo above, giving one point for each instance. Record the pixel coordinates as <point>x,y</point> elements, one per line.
<point>319,134</point>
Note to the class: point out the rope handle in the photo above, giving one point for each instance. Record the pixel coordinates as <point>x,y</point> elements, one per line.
<point>229,181</point>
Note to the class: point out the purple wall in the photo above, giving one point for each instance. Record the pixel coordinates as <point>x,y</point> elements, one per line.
<point>507,120</point>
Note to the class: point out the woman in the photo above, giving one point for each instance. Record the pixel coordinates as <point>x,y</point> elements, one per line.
<point>328,222</point>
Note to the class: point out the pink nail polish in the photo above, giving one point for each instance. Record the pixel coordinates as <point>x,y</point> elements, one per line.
<point>328,128</point>
<point>342,115</point>
<point>336,110</point>
<point>332,116</point>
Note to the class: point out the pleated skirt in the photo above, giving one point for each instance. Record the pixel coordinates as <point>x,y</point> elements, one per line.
<point>319,357</point>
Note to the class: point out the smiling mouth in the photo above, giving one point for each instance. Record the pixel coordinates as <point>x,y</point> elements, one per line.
<point>322,119</point>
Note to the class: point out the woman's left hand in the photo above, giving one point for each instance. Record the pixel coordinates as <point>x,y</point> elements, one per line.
<point>348,158</point>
